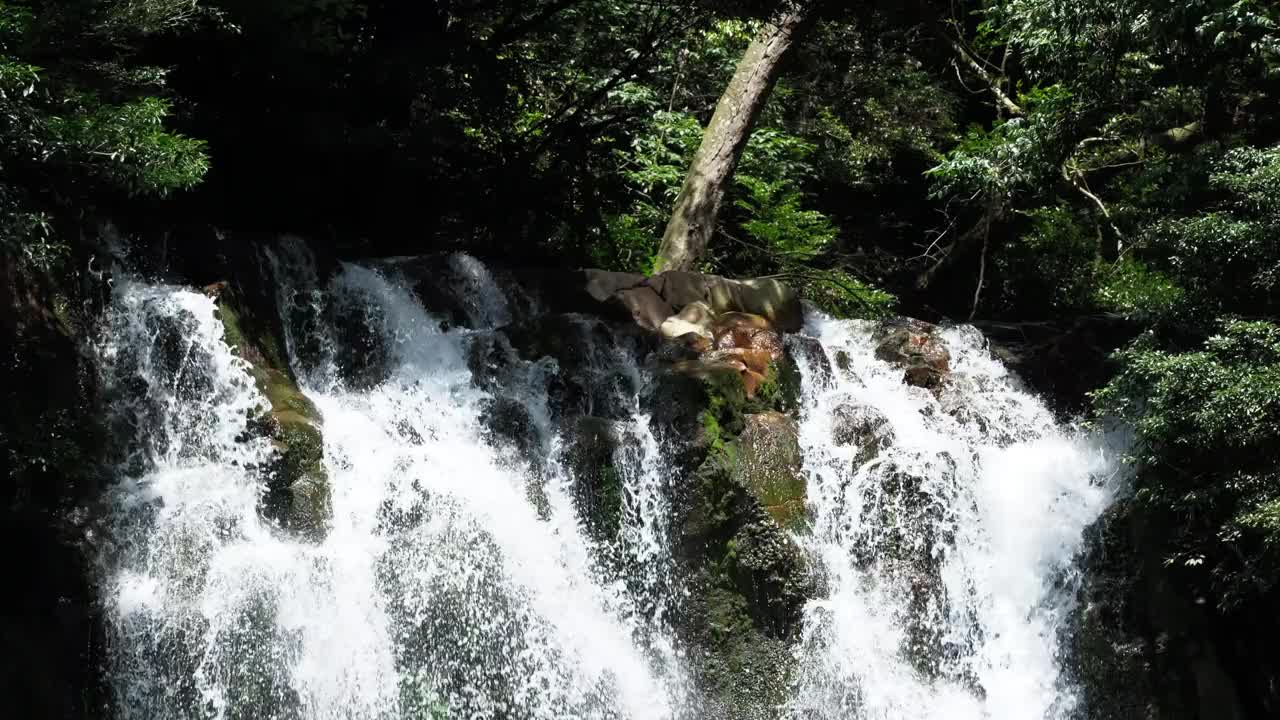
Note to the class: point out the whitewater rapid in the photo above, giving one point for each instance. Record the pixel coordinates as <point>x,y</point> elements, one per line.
<point>439,586</point>
<point>947,536</point>
<point>457,577</point>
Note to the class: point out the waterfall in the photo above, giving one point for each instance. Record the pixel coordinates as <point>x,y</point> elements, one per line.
<point>501,539</point>
<point>455,577</point>
<point>946,527</point>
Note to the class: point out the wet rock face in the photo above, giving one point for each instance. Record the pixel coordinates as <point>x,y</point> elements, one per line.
<point>769,466</point>
<point>738,494</point>
<point>359,331</point>
<point>578,353</point>
<point>508,422</point>
<point>811,353</point>
<point>909,531</point>
<point>297,494</point>
<point>915,347</point>
<point>860,426</point>
<point>590,448</point>
<point>1145,644</point>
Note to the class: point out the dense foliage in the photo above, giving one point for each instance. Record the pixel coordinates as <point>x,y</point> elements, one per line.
<point>81,119</point>
<point>998,159</point>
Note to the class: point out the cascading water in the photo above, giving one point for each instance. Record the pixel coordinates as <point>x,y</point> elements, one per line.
<point>500,540</point>
<point>946,527</point>
<point>439,586</point>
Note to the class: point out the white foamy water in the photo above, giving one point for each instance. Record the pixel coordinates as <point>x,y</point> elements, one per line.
<point>949,548</point>
<point>439,586</point>
<point>458,576</point>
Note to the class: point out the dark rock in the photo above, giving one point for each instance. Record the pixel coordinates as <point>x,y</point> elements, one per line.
<point>432,280</point>
<point>860,426</point>
<point>915,347</point>
<point>360,340</point>
<point>675,402</point>
<point>1145,643</point>
<point>588,379</point>
<point>590,447</point>
<point>602,285</point>
<point>810,352</point>
<point>565,291</point>
<point>1062,361</point>
<point>52,441</point>
<point>508,421</point>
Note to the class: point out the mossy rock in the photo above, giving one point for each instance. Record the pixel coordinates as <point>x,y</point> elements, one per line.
<point>737,492</point>
<point>769,465</point>
<point>297,494</point>
<point>748,582</point>
<point>741,671</point>
<point>590,453</point>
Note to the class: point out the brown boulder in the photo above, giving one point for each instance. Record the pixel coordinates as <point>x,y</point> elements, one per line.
<point>759,296</point>
<point>646,307</point>
<point>679,288</point>
<point>746,331</point>
<point>915,347</point>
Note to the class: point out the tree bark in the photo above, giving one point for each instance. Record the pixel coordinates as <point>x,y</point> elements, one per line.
<point>693,220</point>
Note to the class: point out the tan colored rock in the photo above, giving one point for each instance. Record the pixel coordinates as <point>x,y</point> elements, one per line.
<point>646,307</point>
<point>734,320</point>
<point>756,361</point>
<point>680,288</point>
<point>695,318</point>
<point>766,297</point>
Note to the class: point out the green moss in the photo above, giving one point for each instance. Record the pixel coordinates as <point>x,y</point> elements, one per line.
<point>781,387</point>
<point>254,341</point>
<point>711,430</point>
<point>232,335</point>
<point>736,648</point>
<point>298,489</point>
<point>298,494</point>
<point>287,400</point>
